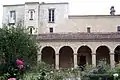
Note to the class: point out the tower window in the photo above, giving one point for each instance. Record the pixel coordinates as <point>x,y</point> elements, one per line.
<point>51,30</point>
<point>88,29</point>
<point>51,17</point>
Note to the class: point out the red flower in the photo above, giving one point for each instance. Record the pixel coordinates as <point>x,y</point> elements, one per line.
<point>20,64</point>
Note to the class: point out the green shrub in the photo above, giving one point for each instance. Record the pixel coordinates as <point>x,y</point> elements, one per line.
<point>16,43</point>
<point>103,70</point>
<point>50,73</point>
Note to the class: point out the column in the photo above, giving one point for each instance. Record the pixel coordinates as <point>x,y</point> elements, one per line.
<point>75,60</point>
<point>94,59</point>
<point>57,61</point>
<point>112,60</point>
<point>87,60</point>
<point>39,57</point>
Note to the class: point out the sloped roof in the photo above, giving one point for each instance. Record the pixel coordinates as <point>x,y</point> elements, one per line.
<point>79,36</point>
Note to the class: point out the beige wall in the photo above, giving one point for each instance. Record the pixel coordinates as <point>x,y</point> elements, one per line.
<point>35,20</point>
<point>56,45</point>
<point>97,23</point>
<point>61,15</point>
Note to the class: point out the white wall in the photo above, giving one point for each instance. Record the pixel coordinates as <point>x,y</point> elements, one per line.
<point>35,21</point>
<point>19,13</point>
<point>97,23</point>
<point>61,15</point>
<point>63,22</point>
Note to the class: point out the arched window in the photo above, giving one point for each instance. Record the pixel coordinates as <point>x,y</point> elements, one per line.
<point>31,14</point>
<point>31,28</point>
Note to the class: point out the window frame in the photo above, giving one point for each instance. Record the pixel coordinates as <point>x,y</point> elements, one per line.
<point>51,29</point>
<point>12,15</point>
<point>88,29</point>
<point>31,14</point>
<point>31,28</point>
<point>118,28</point>
<point>51,15</point>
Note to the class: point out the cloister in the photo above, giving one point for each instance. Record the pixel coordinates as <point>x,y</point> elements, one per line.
<point>73,53</point>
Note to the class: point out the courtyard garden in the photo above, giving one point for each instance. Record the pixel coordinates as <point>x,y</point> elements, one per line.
<point>46,72</point>
<point>18,61</point>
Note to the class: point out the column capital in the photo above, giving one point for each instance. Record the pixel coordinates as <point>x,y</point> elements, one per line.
<point>57,54</point>
<point>93,53</point>
<point>111,53</point>
<point>75,53</point>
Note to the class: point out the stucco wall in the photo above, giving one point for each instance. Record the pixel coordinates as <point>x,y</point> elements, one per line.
<point>61,15</point>
<point>75,45</point>
<point>19,13</point>
<point>63,22</point>
<point>35,20</point>
<point>96,23</point>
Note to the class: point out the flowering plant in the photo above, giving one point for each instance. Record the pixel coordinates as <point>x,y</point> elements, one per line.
<point>15,69</point>
<point>20,64</point>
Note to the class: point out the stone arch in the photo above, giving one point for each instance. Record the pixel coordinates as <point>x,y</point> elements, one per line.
<point>65,45</point>
<point>103,44</point>
<point>84,55</point>
<point>117,54</point>
<point>88,45</point>
<point>66,57</point>
<point>43,46</point>
<point>48,55</point>
<point>103,53</point>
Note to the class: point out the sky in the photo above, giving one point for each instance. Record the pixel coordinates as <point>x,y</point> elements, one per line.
<point>76,7</point>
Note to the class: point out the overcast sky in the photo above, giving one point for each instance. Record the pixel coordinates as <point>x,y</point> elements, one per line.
<point>76,7</point>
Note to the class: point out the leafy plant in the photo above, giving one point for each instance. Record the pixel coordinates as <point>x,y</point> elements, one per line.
<point>103,70</point>
<point>16,43</point>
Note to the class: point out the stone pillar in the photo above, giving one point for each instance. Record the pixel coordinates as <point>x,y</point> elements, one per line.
<point>94,59</point>
<point>39,57</point>
<point>87,60</point>
<point>57,61</point>
<point>75,60</point>
<point>112,60</point>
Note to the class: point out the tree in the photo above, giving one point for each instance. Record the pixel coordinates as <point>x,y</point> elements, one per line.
<point>16,43</point>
